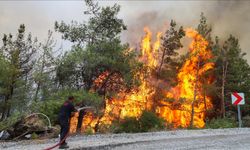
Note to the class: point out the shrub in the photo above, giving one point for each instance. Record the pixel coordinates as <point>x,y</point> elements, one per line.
<point>34,135</point>
<point>52,104</point>
<point>89,131</point>
<point>221,123</point>
<point>129,125</point>
<point>149,121</point>
<point>114,127</point>
<point>246,121</point>
<point>49,108</point>
<point>10,121</point>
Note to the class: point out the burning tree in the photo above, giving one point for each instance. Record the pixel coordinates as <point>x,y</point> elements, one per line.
<point>188,104</point>
<point>171,42</point>
<point>188,107</point>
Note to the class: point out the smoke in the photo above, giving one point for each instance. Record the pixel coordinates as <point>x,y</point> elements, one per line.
<point>38,17</point>
<point>225,17</point>
<point>234,18</point>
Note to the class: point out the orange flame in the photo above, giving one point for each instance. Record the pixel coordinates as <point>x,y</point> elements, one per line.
<point>186,86</point>
<point>73,122</point>
<point>88,122</point>
<point>175,107</point>
<point>132,104</point>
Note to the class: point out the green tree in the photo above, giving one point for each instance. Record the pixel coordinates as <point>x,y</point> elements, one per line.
<point>205,30</point>
<point>103,25</point>
<point>4,74</point>
<point>97,49</point>
<point>85,65</point>
<point>169,62</point>
<point>18,54</point>
<point>171,42</point>
<point>44,69</point>
<point>232,70</point>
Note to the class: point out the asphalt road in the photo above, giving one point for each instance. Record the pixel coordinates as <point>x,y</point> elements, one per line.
<point>204,139</point>
<point>217,142</point>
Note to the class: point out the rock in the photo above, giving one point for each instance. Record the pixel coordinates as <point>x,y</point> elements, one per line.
<point>4,135</point>
<point>28,136</point>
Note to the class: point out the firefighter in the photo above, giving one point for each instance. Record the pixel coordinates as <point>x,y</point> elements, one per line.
<point>64,118</point>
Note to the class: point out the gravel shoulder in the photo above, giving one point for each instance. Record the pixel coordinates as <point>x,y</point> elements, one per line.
<point>236,138</point>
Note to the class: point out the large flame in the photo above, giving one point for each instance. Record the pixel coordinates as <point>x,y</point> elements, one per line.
<point>73,122</point>
<point>176,107</point>
<point>132,104</point>
<point>179,112</point>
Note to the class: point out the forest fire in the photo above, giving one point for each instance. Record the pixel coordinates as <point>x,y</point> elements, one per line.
<point>74,122</point>
<point>180,105</point>
<point>134,103</point>
<point>189,88</point>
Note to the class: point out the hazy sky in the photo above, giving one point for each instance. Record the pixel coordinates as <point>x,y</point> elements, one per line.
<point>226,17</point>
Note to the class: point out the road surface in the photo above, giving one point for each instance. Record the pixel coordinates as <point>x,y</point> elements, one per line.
<point>204,139</point>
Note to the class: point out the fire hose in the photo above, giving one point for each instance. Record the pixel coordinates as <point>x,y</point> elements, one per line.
<point>54,146</point>
<point>67,135</point>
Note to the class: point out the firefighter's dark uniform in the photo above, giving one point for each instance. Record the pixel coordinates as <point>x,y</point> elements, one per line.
<point>64,118</point>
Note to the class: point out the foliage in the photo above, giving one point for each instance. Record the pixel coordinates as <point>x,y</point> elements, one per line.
<point>18,54</point>
<point>233,67</point>
<point>129,125</point>
<point>171,42</point>
<point>86,65</point>
<point>103,25</point>
<point>221,123</point>
<point>50,108</point>
<point>10,121</point>
<point>148,121</point>
<point>205,29</point>
<point>4,75</point>
<point>89,131</point>
<point>43,74</point>
<point>97,49</point>
<point>34,135</point>
<point>52,105</point>
<point>33,79</point>
<point>246,121</point>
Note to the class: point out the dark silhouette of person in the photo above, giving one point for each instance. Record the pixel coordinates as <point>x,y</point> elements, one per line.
<point>64,117</point>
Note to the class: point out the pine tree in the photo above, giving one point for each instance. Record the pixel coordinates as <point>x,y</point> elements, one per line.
<point>19,54</point>
<point>232,71</point>
<point>171,42</point>
<point>44,69</point>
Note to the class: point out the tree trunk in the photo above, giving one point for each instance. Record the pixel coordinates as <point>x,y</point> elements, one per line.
<point>195,93</point>
<point>4,114</point>
<point>224,73</point>
<point>205,102</point>
<point>6,109</point>
<point>102,114</point>
<point>41,72</point>
<point>222,98</point>
<point>161,63</point>
<point>37,90</point>
<point>9,98</point>
<point>205,106</point>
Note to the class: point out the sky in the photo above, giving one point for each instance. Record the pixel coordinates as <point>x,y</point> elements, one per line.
<point>226,17</point>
